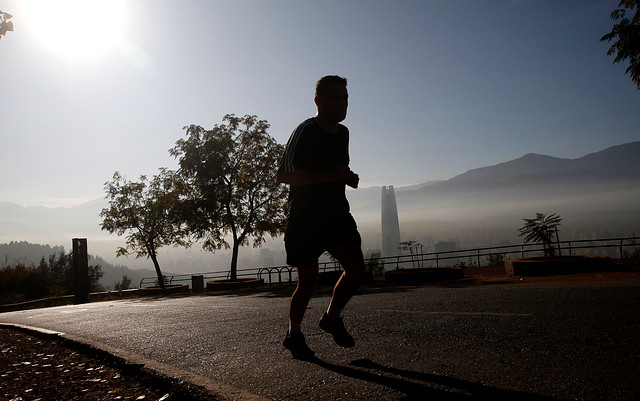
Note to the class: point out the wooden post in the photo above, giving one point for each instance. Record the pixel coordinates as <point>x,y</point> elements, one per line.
<point>197,283</point>
<point>80,271</point>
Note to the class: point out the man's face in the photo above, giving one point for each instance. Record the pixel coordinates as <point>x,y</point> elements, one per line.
<point>333,105</point>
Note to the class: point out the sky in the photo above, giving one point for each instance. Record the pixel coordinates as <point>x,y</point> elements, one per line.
<point>436,88</point>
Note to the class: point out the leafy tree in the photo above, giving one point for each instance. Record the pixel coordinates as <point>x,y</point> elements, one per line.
<point>147,212</point>
<point>542,228</point>
<point>229,172</point>
<point>95,274</point>
<point>60,277</point>
<point>51,278</point>
<point>123,284</point>
<point>626,33</point>
<point>5,24</point>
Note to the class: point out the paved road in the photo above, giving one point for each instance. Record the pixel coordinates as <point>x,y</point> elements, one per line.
<point>524,341</point>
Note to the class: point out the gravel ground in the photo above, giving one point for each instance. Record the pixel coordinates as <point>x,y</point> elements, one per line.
<point>41,368</point>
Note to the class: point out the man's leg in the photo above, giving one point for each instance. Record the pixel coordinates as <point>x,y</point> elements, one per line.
<point>307,281</point>
<point>352,261</point>
<point>294,341</point>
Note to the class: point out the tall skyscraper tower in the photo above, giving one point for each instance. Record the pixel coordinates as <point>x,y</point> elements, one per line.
<point>390,225</point>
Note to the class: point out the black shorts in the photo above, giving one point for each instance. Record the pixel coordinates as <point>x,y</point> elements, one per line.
<point>306,238</point>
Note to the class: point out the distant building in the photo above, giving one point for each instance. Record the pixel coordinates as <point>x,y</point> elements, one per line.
<point>390,225</point>
<point>445,246</point>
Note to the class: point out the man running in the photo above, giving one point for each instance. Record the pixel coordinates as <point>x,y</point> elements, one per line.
<point>316,166</point>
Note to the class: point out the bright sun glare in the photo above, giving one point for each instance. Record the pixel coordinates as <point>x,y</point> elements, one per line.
<point>76,29</point>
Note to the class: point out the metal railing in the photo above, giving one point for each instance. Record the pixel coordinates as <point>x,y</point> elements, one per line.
<point>471,257</point>
<point>266,273</point>
<point>613,247</point>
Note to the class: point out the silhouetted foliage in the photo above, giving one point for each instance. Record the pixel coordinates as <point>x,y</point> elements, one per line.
<point>51,278</point>
<point>626,33</point>
<point>543,229</point>
<point>469,263</point>
<point>229,176</point>
<point>496,259</point>
<point>415,249</point>
<point>5,24</point>
<point>123,284</point>
<point>374,265</point>
<point>146,211</point>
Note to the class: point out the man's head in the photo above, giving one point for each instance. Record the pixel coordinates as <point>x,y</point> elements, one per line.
<point>332,98</point>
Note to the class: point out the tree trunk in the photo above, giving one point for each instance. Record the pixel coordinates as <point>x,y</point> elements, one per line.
<point>234,260</point>
<point>151,251</point>
<point>158,272</point>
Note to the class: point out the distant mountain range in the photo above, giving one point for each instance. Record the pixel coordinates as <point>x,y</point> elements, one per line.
<point>618,164</point>
<point>601,187</point>
<point>598,195</point>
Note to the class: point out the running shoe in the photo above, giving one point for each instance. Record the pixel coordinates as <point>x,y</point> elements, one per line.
<point>335,327</point>
<point>298,346</point>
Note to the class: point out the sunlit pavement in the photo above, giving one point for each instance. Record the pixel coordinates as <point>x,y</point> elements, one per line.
<point>524,341</point>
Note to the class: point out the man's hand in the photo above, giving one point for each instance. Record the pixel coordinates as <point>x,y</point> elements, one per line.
<point>344,174</point>
<point>353,180</point>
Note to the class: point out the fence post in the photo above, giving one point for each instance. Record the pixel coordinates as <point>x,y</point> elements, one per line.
<point>478,257</point>
<point>197,283</point>
<point>80,271</point>
<point>621,248</point>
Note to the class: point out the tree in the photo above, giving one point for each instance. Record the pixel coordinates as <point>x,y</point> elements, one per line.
<point>123,284</point>
<point>5,24</point>
<point>229,175</point>
<point>147,212</point>
<point>626,33</point>
<point>542,228</point>
<point>415,249</point>
<point>52,278</point>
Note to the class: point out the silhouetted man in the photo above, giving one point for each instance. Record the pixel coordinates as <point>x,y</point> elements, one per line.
<point>316,166</point>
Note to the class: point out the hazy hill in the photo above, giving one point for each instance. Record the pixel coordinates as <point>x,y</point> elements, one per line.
<point>616,164</point>
<point>532,176</point>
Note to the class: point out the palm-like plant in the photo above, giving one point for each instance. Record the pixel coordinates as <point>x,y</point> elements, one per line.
<point>542,228</point>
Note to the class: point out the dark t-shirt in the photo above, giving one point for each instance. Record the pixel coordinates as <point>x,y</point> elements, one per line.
<point>312,148</point>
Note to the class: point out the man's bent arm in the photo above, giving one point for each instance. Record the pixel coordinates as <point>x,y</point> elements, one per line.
<point>304,177</point>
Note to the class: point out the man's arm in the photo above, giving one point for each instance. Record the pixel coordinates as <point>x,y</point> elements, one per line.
<point>304,177</point>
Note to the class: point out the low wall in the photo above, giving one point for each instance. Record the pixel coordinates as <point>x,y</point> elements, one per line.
<point>546,266</point>
<point>410,276</point>
<point>222,285</point>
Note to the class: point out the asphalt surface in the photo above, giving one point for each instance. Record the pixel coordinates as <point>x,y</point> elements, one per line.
<point>523,341</point>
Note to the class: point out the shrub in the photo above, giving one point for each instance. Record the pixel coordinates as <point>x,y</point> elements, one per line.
<point>374,265</point>
<point>496,259</point>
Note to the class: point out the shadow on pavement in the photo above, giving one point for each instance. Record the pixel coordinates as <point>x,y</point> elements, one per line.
<point>421,386</point>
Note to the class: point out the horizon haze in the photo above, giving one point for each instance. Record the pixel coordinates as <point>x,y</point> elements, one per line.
<point>596,195</point>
